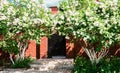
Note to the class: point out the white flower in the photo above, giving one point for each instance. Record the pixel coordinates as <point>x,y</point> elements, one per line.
<point>16,21</point>
<point>43,21</point>
<point>62,17</point>
<point>26,14</point>
<point>8,23</point>
<point>76,12</point>
<point>102,5</point>
<point>71,12</point>
<point>5,2</point>
<point>9,10</point>
<point>97,2</point>
<point>114,22</point>
<point>67,7</point>
<point>88,13</point>
<point>37,12</point>
<point>115,2</point>
<point>106,21</point>
<point>102,14</point>
<point>87,37</point>
<point>84,23</point>
<point>29,6</point>
<point>56,22</point>
<point>96,23</point>
<point>68,19</point>
<point>32,15</point>
<point>110,42</point>
<point>20,24</point>
<point>74,33</point>
<point>1,7</point>
<point>107,15</point>
<point>1,14</point>
<point>2,17</point>
<point>34,0</point>
<point>37,21</point>
<point>24,18</point>
<point>60,22</point>
<point>91,18</point>
<point>76,3</point>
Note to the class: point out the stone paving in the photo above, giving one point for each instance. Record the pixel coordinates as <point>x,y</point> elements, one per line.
<point>46,66</point>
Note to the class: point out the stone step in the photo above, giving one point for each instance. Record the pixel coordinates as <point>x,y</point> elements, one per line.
<point>52,64</point>
<point>46,66</point>
<point>36,71</point>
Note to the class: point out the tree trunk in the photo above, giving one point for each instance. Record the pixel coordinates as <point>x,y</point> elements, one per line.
<point>12,59</point>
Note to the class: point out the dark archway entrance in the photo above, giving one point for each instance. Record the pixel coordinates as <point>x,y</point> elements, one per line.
<point>56,46</point>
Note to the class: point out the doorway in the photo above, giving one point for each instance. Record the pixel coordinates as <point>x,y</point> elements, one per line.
<point>56,46</point>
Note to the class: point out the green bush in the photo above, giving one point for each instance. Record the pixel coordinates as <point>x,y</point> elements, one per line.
<point>106,65</point>
<point>22,63</point>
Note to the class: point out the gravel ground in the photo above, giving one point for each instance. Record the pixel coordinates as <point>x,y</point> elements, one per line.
<point>46,66</point>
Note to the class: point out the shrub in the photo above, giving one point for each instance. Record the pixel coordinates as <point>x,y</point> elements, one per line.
<point>22,63</point>
<point>97,23</point>
<point>106,65</point>
<point>21,21</point>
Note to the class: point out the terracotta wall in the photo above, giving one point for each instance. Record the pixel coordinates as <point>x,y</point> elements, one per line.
<point>31,50</point>
<point>3,55</point>
<point>77,49</point>
<point>43,47</point>
<point>115,50</point>
<point>54,10</point>
<point>70,52</point>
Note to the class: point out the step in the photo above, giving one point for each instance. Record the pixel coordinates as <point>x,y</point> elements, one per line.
<point>46,66</point>
<point>53,64</point>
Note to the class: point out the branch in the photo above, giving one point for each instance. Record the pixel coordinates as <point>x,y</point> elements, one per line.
<point>91,54</point>
<point>23,51</point>
<point>102,54</point>
<point>12,59</point>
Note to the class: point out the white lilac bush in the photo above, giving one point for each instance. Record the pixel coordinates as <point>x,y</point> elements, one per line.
<point>97,23</point>
<point>21,21</point>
